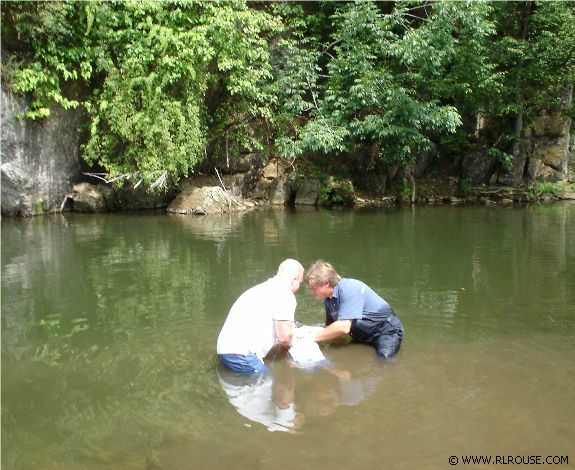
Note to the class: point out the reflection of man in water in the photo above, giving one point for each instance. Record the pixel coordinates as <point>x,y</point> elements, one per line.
<point>270,398</point>
<point>353,308</point>
<point>266,398</point>
<point>322,391</point>
<point>260,320</point>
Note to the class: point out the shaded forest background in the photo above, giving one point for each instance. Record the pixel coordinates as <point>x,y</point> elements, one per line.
<point>350,88</point>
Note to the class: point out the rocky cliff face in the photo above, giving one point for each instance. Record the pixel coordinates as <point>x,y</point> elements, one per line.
<point>40,160</point>
<point>550,147</point>
<point>544,154</point>
<point>41,168</point>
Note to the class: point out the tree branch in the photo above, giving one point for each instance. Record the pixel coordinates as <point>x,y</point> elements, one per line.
<point>329,46</point>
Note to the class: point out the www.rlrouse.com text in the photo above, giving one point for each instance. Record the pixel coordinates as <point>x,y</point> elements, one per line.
<point>510,459</point>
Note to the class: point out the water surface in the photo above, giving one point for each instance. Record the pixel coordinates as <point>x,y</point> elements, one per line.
<point>109,325</point>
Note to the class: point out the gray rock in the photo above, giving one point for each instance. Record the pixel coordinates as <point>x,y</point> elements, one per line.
<point>205,200</point>
<point>514,176</point>
<point>88,197</point>
<point>281,191</point>
<point>544,151</point>
<point>274,185</point>
<point>477,167</point>
<point>453,200</point>
<point>129,198</point>
<point>307,192</point>
<point>424,162</point>
<point>565,194</point>
<point>230,163</point>
<point>40,160</point>
<point>551,142</point>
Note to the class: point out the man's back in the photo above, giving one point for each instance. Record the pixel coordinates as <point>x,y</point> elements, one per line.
<point>250,327</point>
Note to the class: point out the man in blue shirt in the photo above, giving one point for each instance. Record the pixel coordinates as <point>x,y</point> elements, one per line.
<point>353,308</point>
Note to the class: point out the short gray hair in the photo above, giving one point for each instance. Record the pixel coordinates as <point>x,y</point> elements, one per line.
<point>290,268</point>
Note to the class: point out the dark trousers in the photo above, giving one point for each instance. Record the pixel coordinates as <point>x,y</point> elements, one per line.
<point>385,336</point>
<point>389,341</point>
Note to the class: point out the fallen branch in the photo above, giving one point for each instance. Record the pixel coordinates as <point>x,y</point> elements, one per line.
<point>160,181</point>
<point>66,197</point>
<point>228,197</point>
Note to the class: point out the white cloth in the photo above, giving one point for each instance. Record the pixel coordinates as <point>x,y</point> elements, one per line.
<point>304,350</point>
<point>250,326</point>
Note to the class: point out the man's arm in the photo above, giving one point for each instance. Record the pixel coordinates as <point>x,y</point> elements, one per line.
<point>337,328</point>
<point>284,332</point>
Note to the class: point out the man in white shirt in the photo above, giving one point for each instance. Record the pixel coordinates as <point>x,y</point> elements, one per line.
<point>261,318</point>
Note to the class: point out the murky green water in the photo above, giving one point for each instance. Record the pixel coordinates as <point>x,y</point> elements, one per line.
<point>109,325</point>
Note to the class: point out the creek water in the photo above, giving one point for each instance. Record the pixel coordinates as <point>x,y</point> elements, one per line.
<point>109,324</point>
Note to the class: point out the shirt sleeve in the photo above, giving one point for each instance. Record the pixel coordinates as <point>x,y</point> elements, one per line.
<point>285,308</point>
<point>350,304</point>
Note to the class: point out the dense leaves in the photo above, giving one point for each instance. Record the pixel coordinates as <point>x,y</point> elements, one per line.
<point>151,67</point>
<point>167,84</point>
<point>393,78</point>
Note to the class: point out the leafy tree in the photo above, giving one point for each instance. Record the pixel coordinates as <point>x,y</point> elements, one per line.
<point>43,48</point>
<point>386,84</point>
<point>152,68</point>
<point>166,84</point>
<point>533,54</point>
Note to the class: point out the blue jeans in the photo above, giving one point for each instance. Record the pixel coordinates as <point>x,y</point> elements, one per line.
<point>250,364</point>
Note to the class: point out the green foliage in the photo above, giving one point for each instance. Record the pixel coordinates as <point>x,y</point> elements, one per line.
<point>334,190</point>
<point>325,194</point>
<point>551,188</point>
<point>151,67</point>
<point>503,158</point>
<point>547,188</point>
<point>424,192</point>
<point>38,208</point>
<point>384,82</point>
<point>401,189</point>
<point>166,84</point>
<point>50,66</point>
<point>457,143</point>
<point>533,54</point>
<point>464,187</point>
<point>152,114</point>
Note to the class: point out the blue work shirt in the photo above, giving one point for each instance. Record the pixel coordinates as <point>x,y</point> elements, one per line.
<point>354,300</point>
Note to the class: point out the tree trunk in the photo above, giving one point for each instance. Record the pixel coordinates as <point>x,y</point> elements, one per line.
<point>514,175</point>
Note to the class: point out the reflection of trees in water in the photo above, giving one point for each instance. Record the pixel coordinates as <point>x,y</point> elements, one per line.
<point>112,405</point>
<point>77,323</point>
<point>111,271</point>
<point>462,264</point>
<point>26,253</point>
<point>217,227</point>
<point>107,323</point>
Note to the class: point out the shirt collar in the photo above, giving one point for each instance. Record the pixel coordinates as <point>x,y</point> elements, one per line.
<point>335,293</point>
